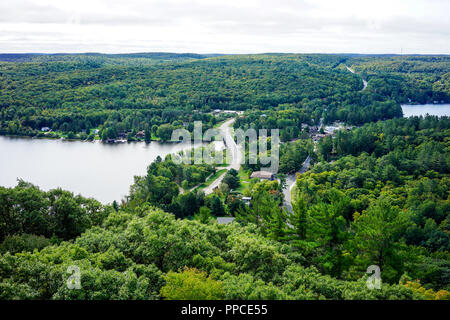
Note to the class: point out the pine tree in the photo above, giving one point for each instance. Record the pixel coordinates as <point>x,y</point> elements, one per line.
<point>277,225</point>
<point>377,232</point>
<point>297,220</point>
<point>261,209</point>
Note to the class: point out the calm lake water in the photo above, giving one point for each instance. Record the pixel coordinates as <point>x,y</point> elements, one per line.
<point>423,109</point>
<point>92,169</point>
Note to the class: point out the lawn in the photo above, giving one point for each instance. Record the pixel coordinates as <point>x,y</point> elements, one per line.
<point>244,179</point>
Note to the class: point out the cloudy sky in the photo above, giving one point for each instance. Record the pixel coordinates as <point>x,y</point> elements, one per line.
<point>226,26</point>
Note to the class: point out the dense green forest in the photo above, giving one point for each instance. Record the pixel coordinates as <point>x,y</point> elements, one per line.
<point>130,254</point>
<point>384,200</point>
<point>376,194</point>
<point>416,79</point>
<point>124,94</point>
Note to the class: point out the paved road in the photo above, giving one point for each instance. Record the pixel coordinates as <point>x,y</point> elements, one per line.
<point>290,182</point>
<point>235,163</point>
<point>364,81</point>
<point>234,151</point>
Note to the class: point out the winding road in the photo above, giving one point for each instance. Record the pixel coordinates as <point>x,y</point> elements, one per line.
<point>364,81</point>
<point>236,157</point>
<point>290,182</point>
<point>292,178</point>
<point>234,152</point>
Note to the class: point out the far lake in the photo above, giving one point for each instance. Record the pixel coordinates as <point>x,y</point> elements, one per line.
<point>92,169</point>
<point>424,109</point>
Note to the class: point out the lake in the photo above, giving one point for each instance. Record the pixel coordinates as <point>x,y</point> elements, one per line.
<point>92,169</point>
<point>423,109</point>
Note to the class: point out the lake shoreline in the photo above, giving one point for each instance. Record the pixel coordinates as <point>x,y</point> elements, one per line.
<point>83,140</point>
<point>433,109</point>
<point>412,103</point>
<point>99,170</point>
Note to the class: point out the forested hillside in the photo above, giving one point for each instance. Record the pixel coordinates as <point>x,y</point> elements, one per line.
<point>416,79</point>
<point>72,94</point>
<point>384,200</point>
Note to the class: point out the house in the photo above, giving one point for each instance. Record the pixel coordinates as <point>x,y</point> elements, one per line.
<point>140,134</point>
<point>313,129</point>
<point>122,135</point>
<point>318,136</point>
<point>96,131</point>
<point>45,129</point>
<point>263,175</point>
<point>247,200</point>
<point>225,220</point>
<point>230,112</point>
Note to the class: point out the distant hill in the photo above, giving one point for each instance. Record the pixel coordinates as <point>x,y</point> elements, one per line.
<point>159,56</point>
<point>18,57</point>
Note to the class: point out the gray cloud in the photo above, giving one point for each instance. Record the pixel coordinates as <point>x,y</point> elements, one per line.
<point>27,11</point>
<point>207,26</point>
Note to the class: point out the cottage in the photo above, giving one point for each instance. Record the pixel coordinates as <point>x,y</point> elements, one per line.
<point>230,112</point>
<point>45,129</point>
<point>318,136</point>
<point>247,200</point>
<point>313,129</point>
<point>140,134</point>
<point>263,175</point>
<point>122,135</point>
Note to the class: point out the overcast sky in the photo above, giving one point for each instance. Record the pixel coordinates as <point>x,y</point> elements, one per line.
<point>226,26</point>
